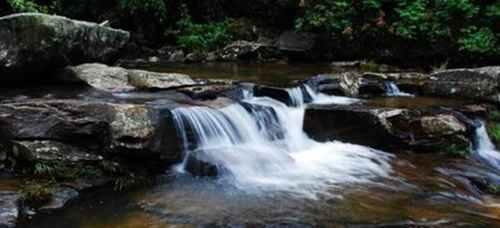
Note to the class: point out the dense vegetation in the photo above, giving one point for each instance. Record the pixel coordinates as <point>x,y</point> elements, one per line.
<point>443,28</point>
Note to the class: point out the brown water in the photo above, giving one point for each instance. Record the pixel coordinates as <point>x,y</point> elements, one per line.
<point>423,189</point>
<point>415,102</point>
<point>265,73</point>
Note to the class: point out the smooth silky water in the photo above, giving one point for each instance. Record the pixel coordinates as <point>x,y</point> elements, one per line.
<point>272,174</point>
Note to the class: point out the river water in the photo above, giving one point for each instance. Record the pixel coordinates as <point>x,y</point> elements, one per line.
<point>278,177</point>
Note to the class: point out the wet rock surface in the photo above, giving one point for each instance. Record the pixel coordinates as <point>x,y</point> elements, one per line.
<point>388,128</point>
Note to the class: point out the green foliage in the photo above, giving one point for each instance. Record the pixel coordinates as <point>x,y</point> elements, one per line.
<point>479,40</point>
<point>148,8</point>
<point>55,170</point>
<point>330,15</point>
<point>468,26</point>
<point>26,6</point>
<point>460,150</point>
<point>202,37</point>
<point>494,131</point>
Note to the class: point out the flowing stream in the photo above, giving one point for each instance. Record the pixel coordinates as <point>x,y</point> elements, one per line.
<point>393,90</point>
<point>271,174</point>
<point>258,144</point>
<point>484,149</point>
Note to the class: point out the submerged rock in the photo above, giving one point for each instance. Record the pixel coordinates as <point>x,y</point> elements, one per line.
<point>197,166</point>
<point>32,44</point>
<point>108,78</point>
<point>59,198</point>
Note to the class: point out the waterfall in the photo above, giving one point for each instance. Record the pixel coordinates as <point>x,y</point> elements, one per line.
<point>484,149</point>
<point>304,94</point>
<point>393,90</point>
<point>258,144</point>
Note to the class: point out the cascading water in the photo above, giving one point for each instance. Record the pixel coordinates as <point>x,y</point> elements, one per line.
<point>394,91</point>
<point>484,149</point>
<point>259,144</point>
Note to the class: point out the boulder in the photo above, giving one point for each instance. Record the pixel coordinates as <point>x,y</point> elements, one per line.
<point>247,50</point>
<point>475,83</point>
<point>9,208</point>
<point>32,44</point>
<point>114,79</point>
<point>387,128</point>
<point>441,125</point>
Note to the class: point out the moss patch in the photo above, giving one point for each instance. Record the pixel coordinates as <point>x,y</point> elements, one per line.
<point>36,192</point>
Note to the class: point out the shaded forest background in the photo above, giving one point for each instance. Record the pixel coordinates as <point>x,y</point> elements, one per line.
<point>391,30</point>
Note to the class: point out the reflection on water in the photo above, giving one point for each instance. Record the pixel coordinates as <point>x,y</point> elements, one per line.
<point>270,73</point>
<point>427,191</point>
<point>415,102</point>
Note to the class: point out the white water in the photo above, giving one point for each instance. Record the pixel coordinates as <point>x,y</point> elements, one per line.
<point>485,149</point>
<point>253,157</point>
<point>393,90</point>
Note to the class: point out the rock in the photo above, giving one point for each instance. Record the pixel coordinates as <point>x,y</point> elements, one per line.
<point>350,83</point>
<point>141,79</point>
<point>354,124</point>
<point>478,83</point>
<point>45,150</point>
<point>326,83</point>
<point>211,57</point>
<point>206,92</point>
<point>61,120</point>
<point>247,50</point>
<point>441,125</point>
<point>114,79</point>
<point>153,59</point>
<point>196,57</point>
<point>60,197</point>
<point>177,56</point>
<point>132,127</point>
<point>346,64</point>
<point>279,94</point>
<point>9,208</point>
<point>295,42</point>
<point>386,128</point>
<point>197,166</point>
<point>124,129</point>
<point>32,44</point>
<point>99,76</point>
